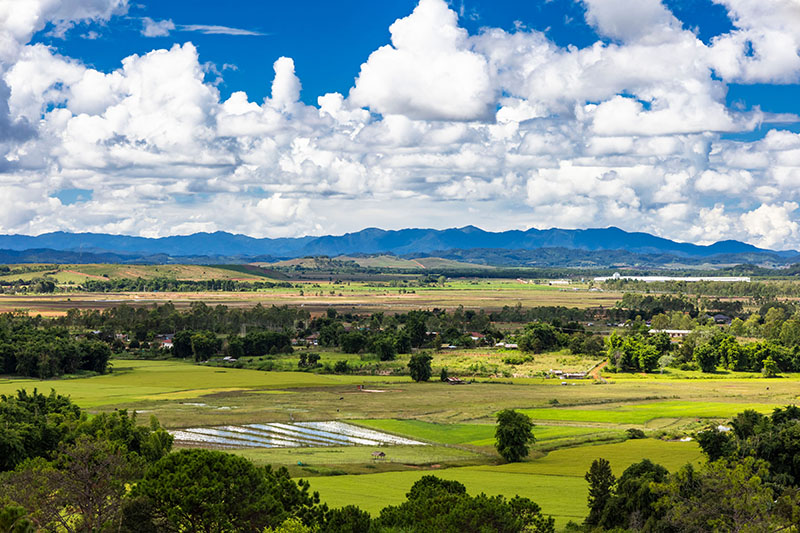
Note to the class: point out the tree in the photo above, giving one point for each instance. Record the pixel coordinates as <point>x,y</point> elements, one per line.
<point>513,434</point>
<point>420,366</point>
<point>715,444</point>
<point>352,342</point>
<point>95,356</point>
<point>205,490</point>
<point>34,425</point>
<point>770,369</point>
<point>182,344</point>
<point>14,519</point>
<point>204,345</point>
<point>80,491</point>
<point>706,357</point>
<point>631,506</point>
<point>443,506</point>
<point>721,496</point>
<point>384,348</point>
<point>601,485</point>
<point>348,519</point>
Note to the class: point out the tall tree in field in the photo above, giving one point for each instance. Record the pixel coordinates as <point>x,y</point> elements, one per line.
<point>420,366</point>
<point>513,434</point>
<point>601,485</point>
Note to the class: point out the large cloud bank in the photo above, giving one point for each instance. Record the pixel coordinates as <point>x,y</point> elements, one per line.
<point>441,128</point>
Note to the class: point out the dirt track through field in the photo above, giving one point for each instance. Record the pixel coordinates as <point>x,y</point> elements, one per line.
<point>82,274</point>
<point>595,372</point>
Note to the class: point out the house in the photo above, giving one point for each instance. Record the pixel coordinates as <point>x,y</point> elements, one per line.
<point>719,318</point>
<point>378,456</point>
<point>673,333</point>
<point>560,374</point>
<point>455,381</point>
<point>477,336</point>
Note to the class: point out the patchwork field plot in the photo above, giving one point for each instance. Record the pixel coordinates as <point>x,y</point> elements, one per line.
<point>277,435</point>
<point>645,412</point>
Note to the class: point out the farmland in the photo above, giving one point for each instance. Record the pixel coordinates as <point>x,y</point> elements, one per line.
<point>319,295</point>
<point>576,421</point>
<point>586,422</point>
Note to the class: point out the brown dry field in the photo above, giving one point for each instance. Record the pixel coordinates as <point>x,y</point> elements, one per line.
<point>362,299</point>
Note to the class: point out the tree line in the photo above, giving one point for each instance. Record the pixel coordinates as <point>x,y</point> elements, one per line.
<point>45,352</point>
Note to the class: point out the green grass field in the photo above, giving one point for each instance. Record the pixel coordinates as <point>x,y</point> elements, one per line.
<point>643,413</point>
<point>135,381</point>
<point>473,434</point>
<point>355,455</point>
<point>554,481</point>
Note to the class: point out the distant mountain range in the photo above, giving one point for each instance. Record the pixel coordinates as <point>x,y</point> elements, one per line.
<point>467,244</point>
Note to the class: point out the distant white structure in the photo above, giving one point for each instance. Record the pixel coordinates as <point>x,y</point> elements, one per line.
<point>651,279</point>
<point>673,333</point>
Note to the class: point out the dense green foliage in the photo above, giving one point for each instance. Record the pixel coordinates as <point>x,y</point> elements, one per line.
<point>35,425</point>
<point>205,490</point>
<point>636,352</point>
<point>513,434</point>
<point>44,352</point>
<point>445,507</point>
<point>420,366</point>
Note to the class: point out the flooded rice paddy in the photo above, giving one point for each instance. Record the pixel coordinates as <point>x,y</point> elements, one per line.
<point>295,435</point>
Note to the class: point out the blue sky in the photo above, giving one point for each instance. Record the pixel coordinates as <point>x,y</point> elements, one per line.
<point>676,117</point>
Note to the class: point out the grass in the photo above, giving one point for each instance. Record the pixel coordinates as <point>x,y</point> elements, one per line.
<point>472,434</point>
<point>64,274</point>
<point>234,396</point>
<point>554,481</point>
<point>432,432</point>
<point>645,412</point>
<point>561,496</point>
<point>576,461</point>
<point>135,381</point>
<point>353,455</point>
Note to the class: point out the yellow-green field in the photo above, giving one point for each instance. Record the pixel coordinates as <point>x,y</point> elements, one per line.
<point>554,481</point>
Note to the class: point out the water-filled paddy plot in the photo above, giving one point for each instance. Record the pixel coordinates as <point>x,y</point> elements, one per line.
<point>295,435</point>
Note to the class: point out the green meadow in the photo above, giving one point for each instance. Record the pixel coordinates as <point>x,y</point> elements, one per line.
<point>641,414</point>
<point>473,434</point>
<point>133,381</point>
<point>555,481</point>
